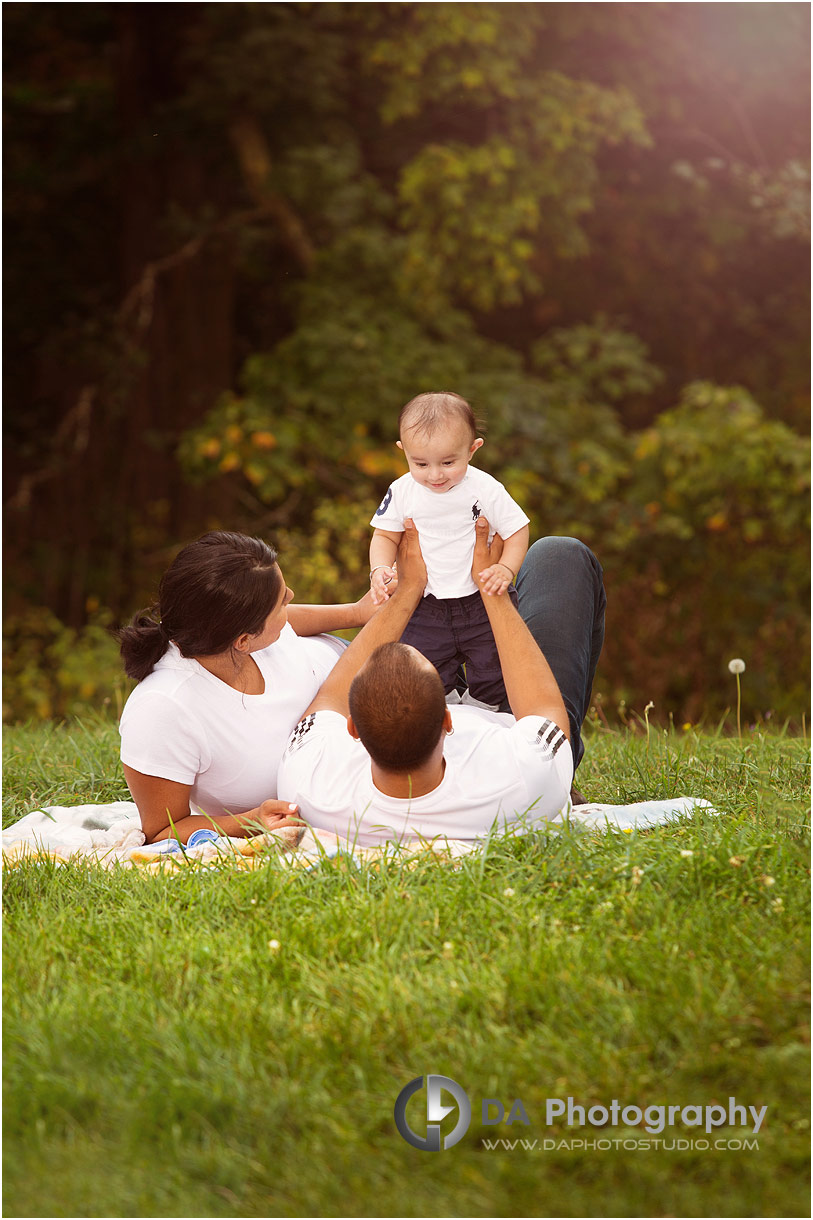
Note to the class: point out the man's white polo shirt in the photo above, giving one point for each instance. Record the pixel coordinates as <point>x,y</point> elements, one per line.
<point>498,770</point>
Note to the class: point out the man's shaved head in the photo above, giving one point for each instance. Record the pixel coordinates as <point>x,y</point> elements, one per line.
<point>398,704</point>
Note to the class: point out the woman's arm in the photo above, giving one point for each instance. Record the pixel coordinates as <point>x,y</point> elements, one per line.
<point>387,626</point>
<point>315,620</point>
<point>163,806</point>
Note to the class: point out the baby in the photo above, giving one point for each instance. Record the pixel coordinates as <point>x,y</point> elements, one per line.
<point>445,496</point>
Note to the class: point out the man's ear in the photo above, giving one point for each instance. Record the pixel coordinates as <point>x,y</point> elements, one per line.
<point>448,723</point>
<point>478,444</point>
<point>352,730</point>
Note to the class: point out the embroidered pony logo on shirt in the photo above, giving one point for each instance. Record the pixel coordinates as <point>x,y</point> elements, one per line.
<point>476,510</point>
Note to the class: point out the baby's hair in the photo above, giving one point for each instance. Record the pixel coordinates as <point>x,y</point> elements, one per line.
<point>397,706</point>
<point>427,412</point>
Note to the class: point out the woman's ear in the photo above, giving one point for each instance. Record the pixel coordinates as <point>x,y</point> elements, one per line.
<point>242,643</point>
<point>478,444</point>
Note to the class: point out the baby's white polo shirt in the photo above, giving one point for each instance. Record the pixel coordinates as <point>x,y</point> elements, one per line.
<point>445,522</point>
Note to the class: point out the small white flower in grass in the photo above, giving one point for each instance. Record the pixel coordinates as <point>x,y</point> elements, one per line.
<point>736,861</point>
<point>508,892</point>
<point>766,880</point>
<point>637,873</point>
<point>777,904</point>
<point>254,902</point>
<point>737,667</point>
<point>453,984</point>
<point>686,852</point>
<point>448,946</point>
<point>274,946</point>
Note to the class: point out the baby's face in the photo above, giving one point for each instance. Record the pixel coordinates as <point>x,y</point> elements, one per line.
<point>439,461</point>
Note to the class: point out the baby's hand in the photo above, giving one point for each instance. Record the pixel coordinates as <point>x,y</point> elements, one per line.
<point>496,579</point>
<point>381,584</point>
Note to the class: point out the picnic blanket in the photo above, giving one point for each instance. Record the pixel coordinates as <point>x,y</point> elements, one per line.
<point>110,835</point>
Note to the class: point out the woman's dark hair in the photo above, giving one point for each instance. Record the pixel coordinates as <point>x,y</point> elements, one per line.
<point>214,590</point>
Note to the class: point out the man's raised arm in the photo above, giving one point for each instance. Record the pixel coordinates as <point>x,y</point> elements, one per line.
<point>385,626</point>
<point>530,685</point>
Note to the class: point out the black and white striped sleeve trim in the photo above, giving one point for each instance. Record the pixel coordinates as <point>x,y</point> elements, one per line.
<point>549,738</point>
<point>298,736</point>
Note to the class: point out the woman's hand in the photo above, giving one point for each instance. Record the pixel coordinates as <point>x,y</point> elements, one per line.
<point>365,607</point>
<point>278,818</point>
<point>274,815</point>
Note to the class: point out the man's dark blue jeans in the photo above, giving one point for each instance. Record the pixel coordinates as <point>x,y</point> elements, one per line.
<point>562,599</point>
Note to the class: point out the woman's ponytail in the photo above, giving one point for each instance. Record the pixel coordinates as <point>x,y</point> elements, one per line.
<point>142,645</point>
<point>214,590</point>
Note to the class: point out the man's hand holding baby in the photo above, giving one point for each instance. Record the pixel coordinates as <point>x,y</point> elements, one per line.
<point>506,558</point>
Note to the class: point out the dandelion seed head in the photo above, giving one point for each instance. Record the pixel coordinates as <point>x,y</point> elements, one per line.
<point>736,666</point>
<point>508,892</point>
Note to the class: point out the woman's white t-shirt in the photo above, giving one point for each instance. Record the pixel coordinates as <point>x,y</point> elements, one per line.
<point>184,724</point>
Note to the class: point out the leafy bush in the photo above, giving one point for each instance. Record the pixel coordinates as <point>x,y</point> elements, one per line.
<point>53,671</point>
<point>708,558</point>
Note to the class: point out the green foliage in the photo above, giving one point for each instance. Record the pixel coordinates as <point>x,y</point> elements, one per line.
<point>517,201</point>
<point>597,362</point>
<point>479,210</point>
<point>52,671</point>
<point>709,556</point>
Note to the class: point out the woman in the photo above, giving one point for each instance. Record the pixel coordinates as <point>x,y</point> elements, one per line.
<point>225,669</point>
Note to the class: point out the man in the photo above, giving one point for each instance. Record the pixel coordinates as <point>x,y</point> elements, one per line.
<point>379,755</point>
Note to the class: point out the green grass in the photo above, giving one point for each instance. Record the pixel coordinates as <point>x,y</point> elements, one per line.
<point>160,1059</point>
